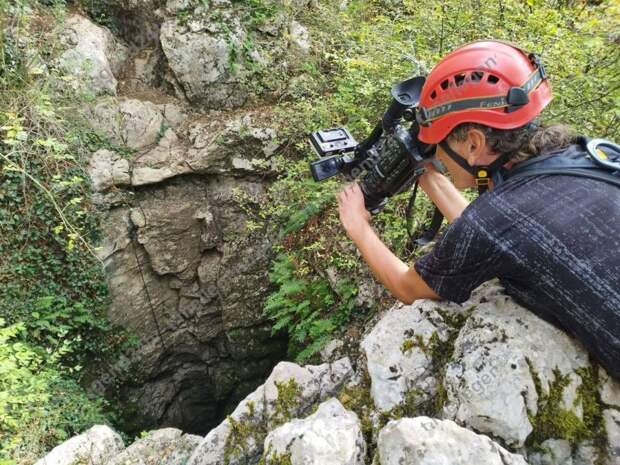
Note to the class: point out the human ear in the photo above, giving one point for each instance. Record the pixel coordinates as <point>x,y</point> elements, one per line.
<point>476,146</point>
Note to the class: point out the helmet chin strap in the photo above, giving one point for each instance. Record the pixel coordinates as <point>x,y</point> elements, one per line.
<point>482,173</point>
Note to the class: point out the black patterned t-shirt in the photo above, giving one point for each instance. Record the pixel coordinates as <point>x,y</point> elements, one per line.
<point>554,243</point>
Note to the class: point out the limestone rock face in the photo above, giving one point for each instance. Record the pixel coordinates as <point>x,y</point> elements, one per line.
<point>241,146</point>
<point>198,54</point>
<point>611,417</point>
<point>134,123</point>
<point>97,446</point>
<point>183,277</point>
<point>168,446</point>
<point>107,169</point>
<point>93,56</point>
<point>331,436</point>
<point>213,57</point>
<point>289,391</point>
<point>397,353</point>
<point>427,441</point>
<point>502,353</point>
<point>554,452</point>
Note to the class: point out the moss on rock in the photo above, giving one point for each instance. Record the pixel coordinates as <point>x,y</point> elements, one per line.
<point>553,421</point>
<point>287,401</point>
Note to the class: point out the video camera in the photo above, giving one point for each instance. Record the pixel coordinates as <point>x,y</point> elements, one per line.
<point>392,157</point>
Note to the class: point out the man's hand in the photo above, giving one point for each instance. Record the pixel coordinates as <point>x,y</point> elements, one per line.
<point>353,214</point>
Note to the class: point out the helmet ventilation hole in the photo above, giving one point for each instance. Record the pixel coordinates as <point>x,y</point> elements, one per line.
<point>476,76</point>
<point>444,84</point>
<point>459,79</point>
<point>493,79</point>
<point>433,95</point>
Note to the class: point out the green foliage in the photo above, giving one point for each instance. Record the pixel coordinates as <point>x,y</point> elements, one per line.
<point>308,309</point>
<point>53,293</point>
<point>39,407</point>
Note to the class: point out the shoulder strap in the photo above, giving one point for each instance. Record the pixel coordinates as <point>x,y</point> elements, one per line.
<point>590,173</point>
<point>584,159</point>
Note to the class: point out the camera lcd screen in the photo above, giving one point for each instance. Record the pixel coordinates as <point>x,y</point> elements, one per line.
<point>324,168</point>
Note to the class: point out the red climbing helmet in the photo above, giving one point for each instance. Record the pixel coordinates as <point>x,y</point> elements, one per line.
<point>490,82</point>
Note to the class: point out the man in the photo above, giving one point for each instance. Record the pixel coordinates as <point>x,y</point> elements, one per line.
<point>552,240</point>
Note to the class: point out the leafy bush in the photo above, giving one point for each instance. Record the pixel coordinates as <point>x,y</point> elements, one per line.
<point>53,293</point>
<point>39,406</point>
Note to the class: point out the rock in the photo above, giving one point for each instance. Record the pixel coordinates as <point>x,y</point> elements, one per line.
<point>609,389</point>
<point>427,441</point>
<point>586,454</point>
<point>144,70</point>
<point>289,391</point>
<point>214,150</point>
<point>611,417</point>
<point>135,123</point>
<point>93,56</point>
<point>398,353</point>
<point>331,436</point>
<point>164,161</point>
<point>204,69</point>
<point>299,38</point>
<point>168,446</point>
<point>193,300</point>
<point>96,446</point>
<point>500,357</point>
<point>107,169</point>
<point>129,122</point>
<point>332,350</point>
<point>555,452</point>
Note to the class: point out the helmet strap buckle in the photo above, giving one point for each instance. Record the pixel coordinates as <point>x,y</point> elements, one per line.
<point>483,179</point>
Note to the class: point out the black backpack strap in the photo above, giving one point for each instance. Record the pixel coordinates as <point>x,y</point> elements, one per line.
<point>586,158</point>
<point>601,175</point>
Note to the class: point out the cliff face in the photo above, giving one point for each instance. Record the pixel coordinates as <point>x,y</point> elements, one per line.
<point>485,382</point>
<point>185,273</point>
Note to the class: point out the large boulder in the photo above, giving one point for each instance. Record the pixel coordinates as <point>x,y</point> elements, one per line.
<point>134,123</point>
<point>92,56</point>
<point>505,361</point>
<point>289,392</point>
<point>218,59</point>
<point>242,145</point>
<point>206,58</point>
<point>427,441</point>
<point>97,446</point>
<point>168,446</point>
<point>398,353</point>
<point>330,436</point>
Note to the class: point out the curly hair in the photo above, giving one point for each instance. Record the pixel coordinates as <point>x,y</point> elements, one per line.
<point>523,142</point>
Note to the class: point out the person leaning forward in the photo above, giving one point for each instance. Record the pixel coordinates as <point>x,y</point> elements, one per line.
<point>552,239</point>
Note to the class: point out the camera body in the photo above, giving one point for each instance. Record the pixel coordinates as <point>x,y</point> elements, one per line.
<point>391,157</point>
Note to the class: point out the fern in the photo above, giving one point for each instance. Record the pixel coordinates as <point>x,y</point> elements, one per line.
<point>310,311</point>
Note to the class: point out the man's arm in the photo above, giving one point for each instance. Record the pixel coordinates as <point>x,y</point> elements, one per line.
<point>403,281</point>
<point>443,193</point>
